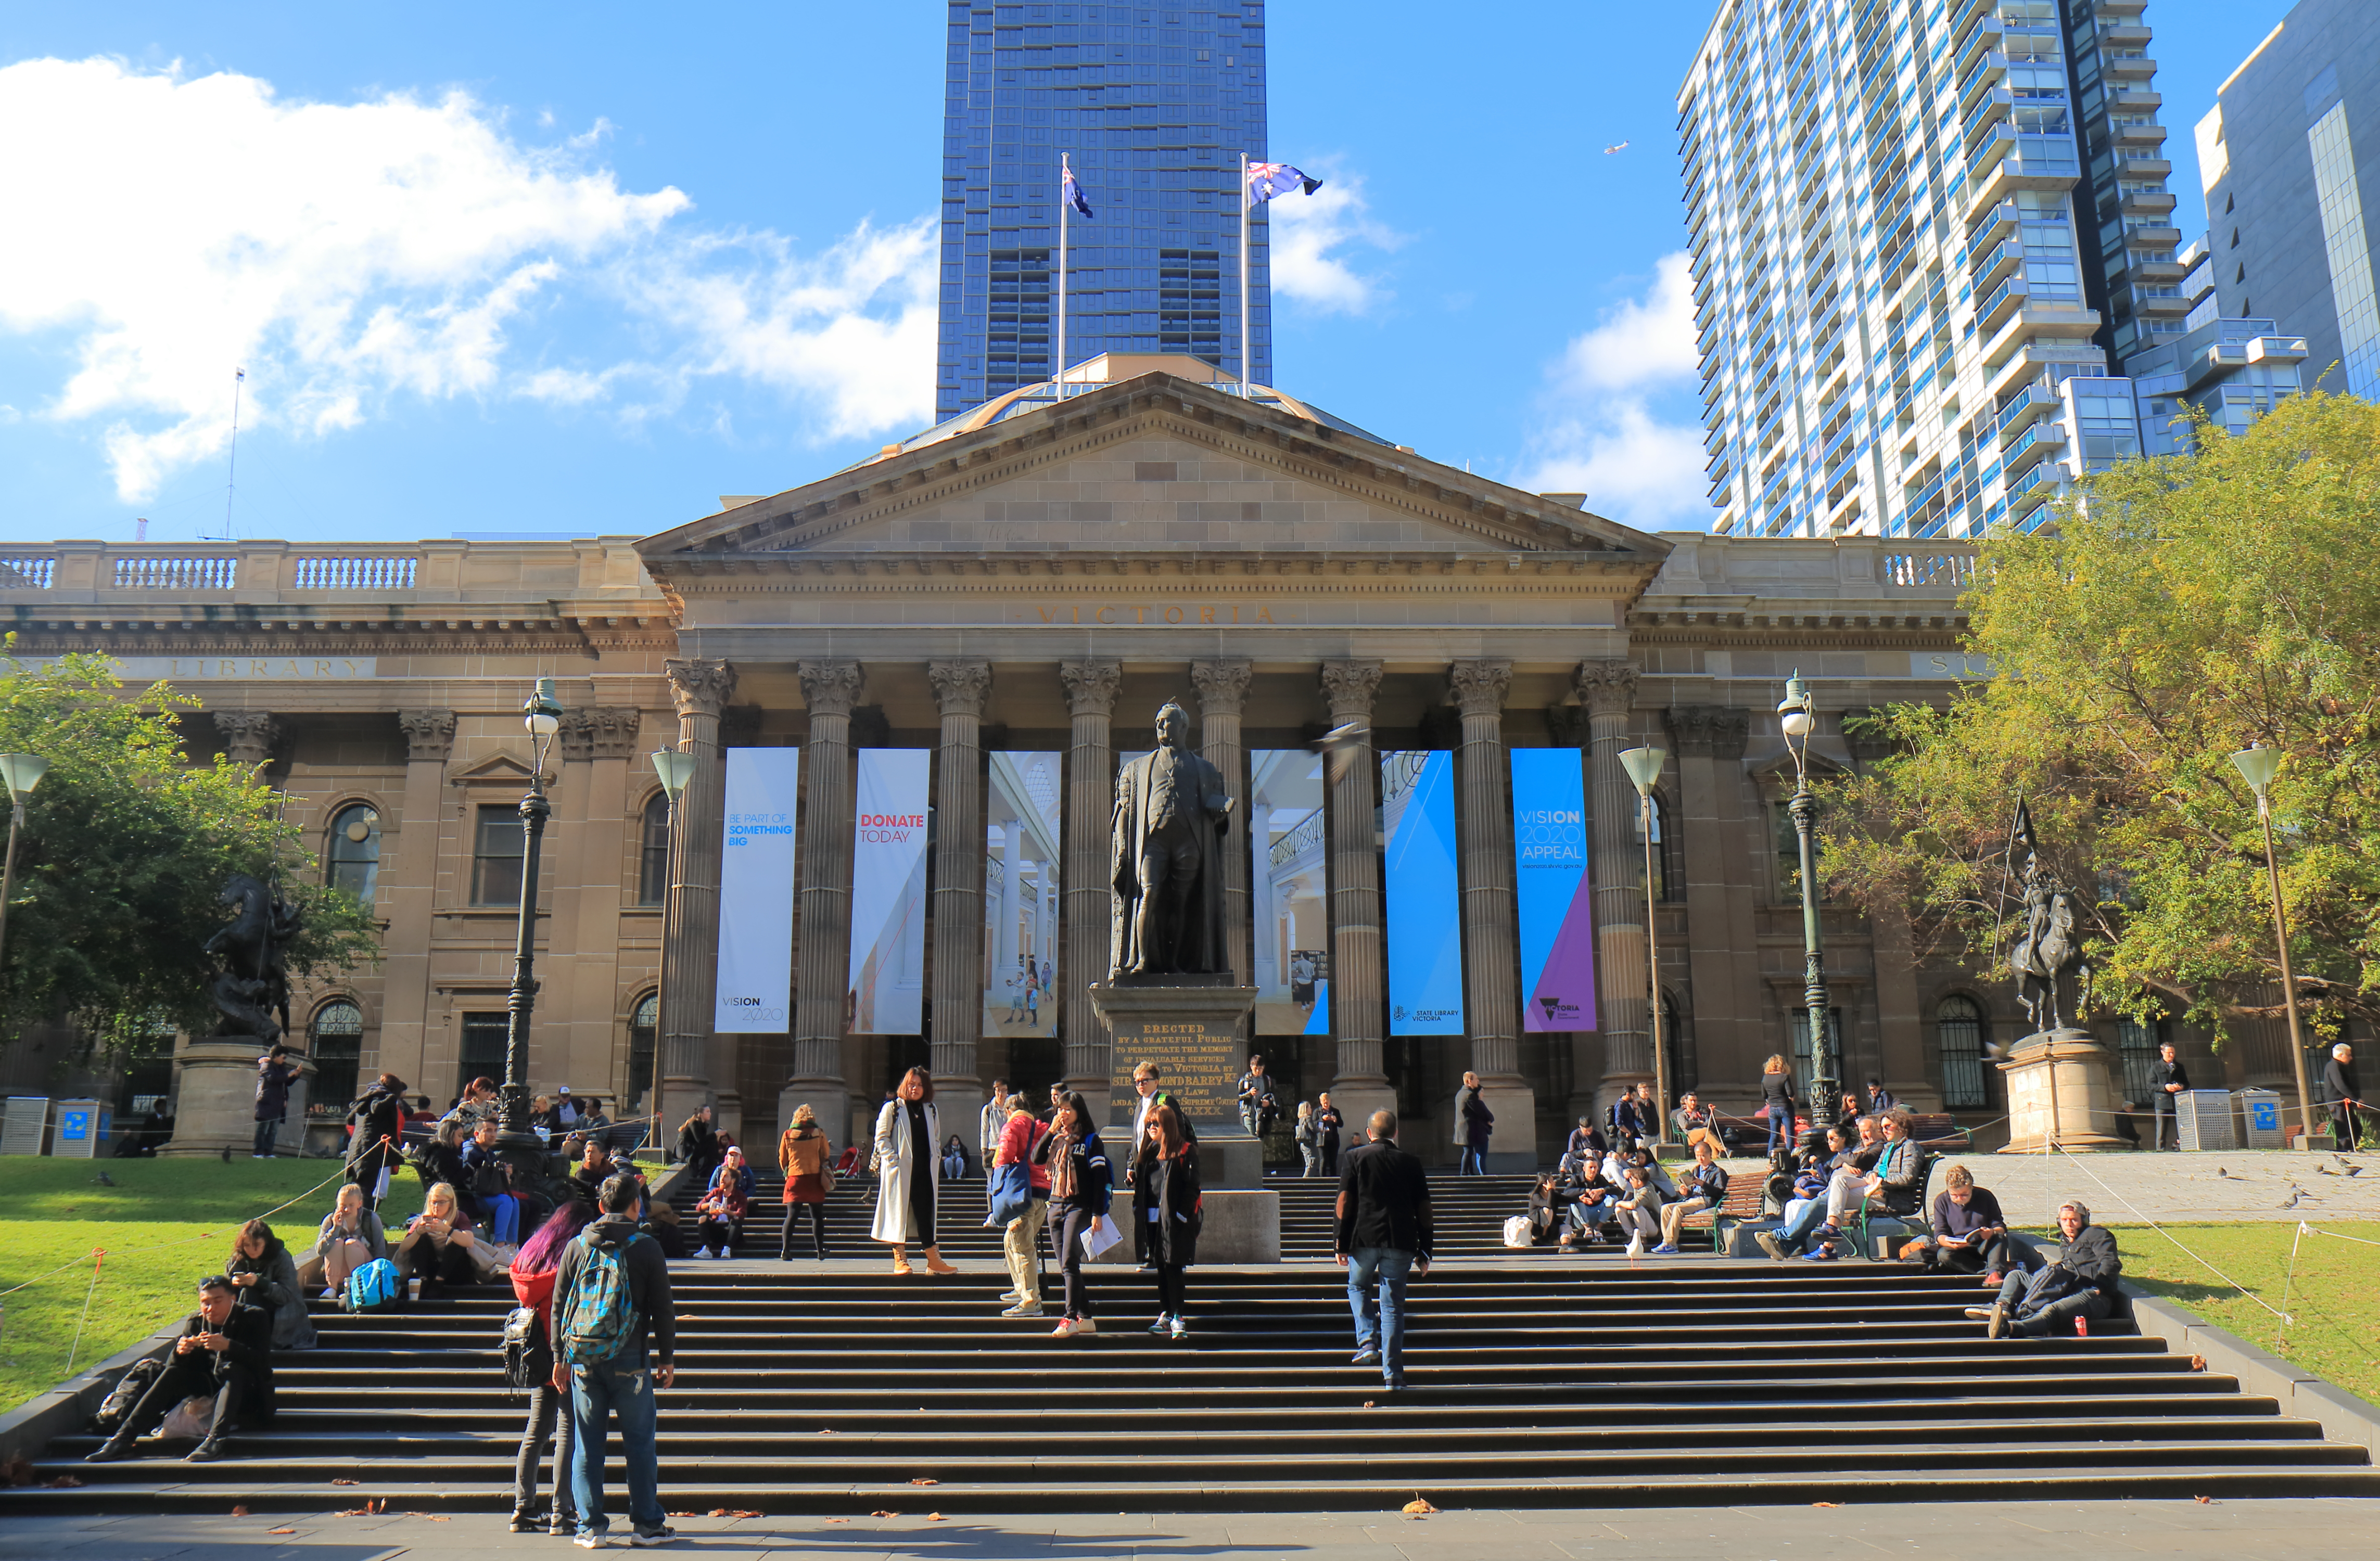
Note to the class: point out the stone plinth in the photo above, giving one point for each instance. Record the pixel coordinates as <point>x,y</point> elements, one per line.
<point>1190,1027</point>
<point>215,1098</point>
<point>1241,1225</point>
<point>2061,1080</point>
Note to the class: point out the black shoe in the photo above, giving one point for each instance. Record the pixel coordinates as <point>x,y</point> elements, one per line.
<point>212,1450</point>
<point>1394,1385</point>
<point>526,1522</point>
<point>111,1449</point>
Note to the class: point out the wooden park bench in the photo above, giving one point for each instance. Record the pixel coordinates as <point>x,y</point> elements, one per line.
<point>1743,1194</point>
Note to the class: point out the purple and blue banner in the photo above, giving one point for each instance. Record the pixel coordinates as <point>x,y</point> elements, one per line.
<point>1556,899</point>
<point>1425,894</point>
<point>756,892</point>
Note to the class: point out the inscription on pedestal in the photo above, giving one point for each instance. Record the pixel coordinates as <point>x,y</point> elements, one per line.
<point>1195,1058</point>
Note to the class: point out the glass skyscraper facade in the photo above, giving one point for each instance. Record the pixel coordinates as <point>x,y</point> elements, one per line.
<point>1153,105</point>
<point>1913,224</point>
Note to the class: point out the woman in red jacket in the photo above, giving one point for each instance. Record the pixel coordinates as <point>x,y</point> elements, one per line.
<point>549,1412</point>
<point>719,1217</point>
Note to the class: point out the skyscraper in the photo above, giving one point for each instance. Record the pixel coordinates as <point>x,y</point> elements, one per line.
<point>2284,199</point>
<point>1154,104</point>
<point>1913,224</point>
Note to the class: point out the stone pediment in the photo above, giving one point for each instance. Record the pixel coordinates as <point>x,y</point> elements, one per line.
<point>1153,465</point>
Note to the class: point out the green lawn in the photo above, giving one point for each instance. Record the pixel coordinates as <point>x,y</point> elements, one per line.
<point>2334,1297</point>
<point>162,1224</point>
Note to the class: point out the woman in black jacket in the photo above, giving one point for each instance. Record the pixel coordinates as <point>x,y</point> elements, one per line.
<point>441,1161</point>
<point>265,1275</point>
<point>698,1145</point>
<point>1776,1093</point>
<point>1165,1200</point>
<point>1079,1193</point>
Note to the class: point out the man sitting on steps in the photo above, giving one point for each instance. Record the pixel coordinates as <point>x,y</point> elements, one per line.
<point>2080,1286</point>
<point>224,1353</point>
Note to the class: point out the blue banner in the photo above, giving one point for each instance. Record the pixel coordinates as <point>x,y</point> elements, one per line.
<point>1425,895</point>
<point>1550,875</point>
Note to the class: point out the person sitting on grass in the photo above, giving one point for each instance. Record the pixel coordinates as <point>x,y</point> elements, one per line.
<point>224,1352</point>
<point>2080,1288</point>
<point>1704,1188</point>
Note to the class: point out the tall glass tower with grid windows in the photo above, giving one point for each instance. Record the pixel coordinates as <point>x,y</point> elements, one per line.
<point>1153,104</point>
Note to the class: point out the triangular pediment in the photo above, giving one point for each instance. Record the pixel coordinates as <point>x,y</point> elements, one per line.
<point>1152,464</point>
<point>497,766</point>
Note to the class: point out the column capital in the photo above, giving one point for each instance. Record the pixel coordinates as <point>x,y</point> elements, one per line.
<point>1606,688</point>
<point>1717,731</point>
<point>1091,685</point>
<point>1479,685</point>
<point>1349,685</point>
<point>1223,685</point>
<point>960,687</point>
<point>429,734</point>
<point>701,686</point>
<point>248,735</point>
<point>601,731</point>
<point>831,688</point>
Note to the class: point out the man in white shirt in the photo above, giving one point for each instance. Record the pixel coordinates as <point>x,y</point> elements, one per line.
<point>993,1121</point>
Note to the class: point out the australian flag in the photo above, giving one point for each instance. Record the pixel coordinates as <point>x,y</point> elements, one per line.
<point>1072,193</point>
<point>1269,179</point>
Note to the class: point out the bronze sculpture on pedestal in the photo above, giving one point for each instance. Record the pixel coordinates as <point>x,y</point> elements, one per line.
<point>1172,811</point>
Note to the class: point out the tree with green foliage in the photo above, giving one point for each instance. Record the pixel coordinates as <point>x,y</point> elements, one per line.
<point>124,854</point>
<point>2180,608</point>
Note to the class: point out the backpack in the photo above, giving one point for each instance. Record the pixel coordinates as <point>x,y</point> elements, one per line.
<point>128,1392</point>
<point>376,1286</point>
<point>529,1358</point>
<point>599,1316</point>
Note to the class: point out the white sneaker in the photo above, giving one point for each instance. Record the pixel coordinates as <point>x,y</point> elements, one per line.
<point>703,1252</point>
<point>1024,1309</point>
<point>1067,1327</point>
<point>725,1254</point>
<point>1085,1325</point>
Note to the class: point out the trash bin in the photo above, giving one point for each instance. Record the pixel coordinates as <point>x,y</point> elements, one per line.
<point>2260,1109</point>
<point>2204,1118</point>
<point>83,1128</point>
<point>23,1128</point>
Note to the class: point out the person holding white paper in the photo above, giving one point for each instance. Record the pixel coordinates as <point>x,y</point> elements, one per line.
<point>1079,1193</point>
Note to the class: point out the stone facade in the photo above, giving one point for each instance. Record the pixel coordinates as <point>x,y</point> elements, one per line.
<point>1045,583</point>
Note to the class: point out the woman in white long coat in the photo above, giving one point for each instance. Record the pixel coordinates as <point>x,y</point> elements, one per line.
<point>906,1188</point>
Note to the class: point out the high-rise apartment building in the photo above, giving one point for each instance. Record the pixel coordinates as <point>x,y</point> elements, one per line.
<point>1153,104</point>
<point>2285,208</point>
<point>1913,224</point>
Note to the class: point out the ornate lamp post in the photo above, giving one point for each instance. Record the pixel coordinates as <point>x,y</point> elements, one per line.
<point>20,774</point>
<point>2257,766</point>
<point>1643,766</point>
<point>674,769</point>
<point>1797,713</point>
<point>541,714</point>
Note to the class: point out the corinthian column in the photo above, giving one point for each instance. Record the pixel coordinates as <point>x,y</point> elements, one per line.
<point>1358,995</point>
<point>960,689</point>
<point>1223,689</point>
<point>1090,806</point>
<point>1491,937</point>
<point>1609,691</point>
<point>690,948</point>
<point>829,689</point>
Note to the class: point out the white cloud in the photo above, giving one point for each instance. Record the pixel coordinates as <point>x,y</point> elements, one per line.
<point>1309,235</point>
<point>1603,429</point>
<point>347,254</point>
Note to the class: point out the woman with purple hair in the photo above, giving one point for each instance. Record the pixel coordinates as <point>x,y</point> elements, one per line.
<point>534,1268</point>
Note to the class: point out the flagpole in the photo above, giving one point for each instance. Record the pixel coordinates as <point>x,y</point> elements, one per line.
<point>1064,168</point>
<point>1247,369</point>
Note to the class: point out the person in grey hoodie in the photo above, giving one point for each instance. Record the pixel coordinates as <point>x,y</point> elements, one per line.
<point>624,1386</point>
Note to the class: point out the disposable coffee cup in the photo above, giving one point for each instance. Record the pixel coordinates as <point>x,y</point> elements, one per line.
<point>413,1290</point>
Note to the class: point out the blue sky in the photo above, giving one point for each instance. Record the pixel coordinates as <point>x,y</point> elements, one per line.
<point>583,269</point>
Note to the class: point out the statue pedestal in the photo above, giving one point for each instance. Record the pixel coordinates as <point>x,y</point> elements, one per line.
<point>215,1098</point>
<point>2060,1084</point>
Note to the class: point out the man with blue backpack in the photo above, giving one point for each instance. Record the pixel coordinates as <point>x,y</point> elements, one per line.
<point>611,1310</point>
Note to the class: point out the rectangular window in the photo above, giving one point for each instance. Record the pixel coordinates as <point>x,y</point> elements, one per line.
<point>2345,246</point>
<point>1798,1020</point>
<point>484,1039</point>
<point>498,843</point>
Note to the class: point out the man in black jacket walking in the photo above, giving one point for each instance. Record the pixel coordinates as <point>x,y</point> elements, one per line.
<point>225,1353</point>
<point>2081,1284</point>
<point>2346,1095</point>
<point>1383,1240</point>
<point>2166,1081</point>
<point>625,1384</point>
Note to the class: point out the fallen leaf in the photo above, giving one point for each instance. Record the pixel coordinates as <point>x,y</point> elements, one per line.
<point>431,1516</point>
<point>2206,1501</point>
<point>719,1512</point>
<point>826,1431</point>
<point>836,1519</point>
<point>239,1512</point>
<point>682,1514</point>
<point>1418,1507</point>
<point>925,1482</point>
<point>354,1512</point>
<point>1826,1504</point>
<point>2198,1363</point>
<point>280,1531</point>
<point>933,1516</point>
<point>18,1470</point>
<point>884,1515</point>
<point>1367,1403</point>
<point>343,1481</point>
<point>63,1482</point>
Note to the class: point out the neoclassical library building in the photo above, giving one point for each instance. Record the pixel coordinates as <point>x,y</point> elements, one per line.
<point>907,685</point>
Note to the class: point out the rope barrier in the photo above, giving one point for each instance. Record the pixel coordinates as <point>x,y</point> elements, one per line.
<point>98,1258</point>
<point>2169,1235</point>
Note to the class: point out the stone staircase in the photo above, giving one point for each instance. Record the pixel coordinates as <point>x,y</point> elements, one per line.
<point>1535,1380</point>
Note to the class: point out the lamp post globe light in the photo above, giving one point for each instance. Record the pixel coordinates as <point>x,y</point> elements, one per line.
<point>2257,766</point>
<point>675,770</point>
<point>1797,713</point>
<point>1644,767</point>
<point>20,774</point>
<point>542,715</point>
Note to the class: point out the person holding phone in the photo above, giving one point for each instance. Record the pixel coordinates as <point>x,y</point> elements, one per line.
<point>1079,1193</point>
<point>224,1353</point>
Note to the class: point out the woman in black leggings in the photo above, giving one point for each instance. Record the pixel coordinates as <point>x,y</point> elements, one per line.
<point>1080,1193</point>
<point>802,1153</point>
<point>1165,1201</point>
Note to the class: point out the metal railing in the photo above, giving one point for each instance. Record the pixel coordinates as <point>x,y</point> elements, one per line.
<point>1306,836</point>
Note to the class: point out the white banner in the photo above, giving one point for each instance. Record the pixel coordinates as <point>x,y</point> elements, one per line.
<point>888,893</point>
<point>756,893</point>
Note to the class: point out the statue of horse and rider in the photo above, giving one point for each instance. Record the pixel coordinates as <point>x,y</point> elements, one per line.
<point>2045,946</point>
<point>252,988</point>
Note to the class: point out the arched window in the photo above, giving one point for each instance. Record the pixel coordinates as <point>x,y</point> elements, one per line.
<point>644,1034</point>
<point>355,851</point>
<point>1959,1032</point>
<point>652,865</point>
<point>337,1042</point>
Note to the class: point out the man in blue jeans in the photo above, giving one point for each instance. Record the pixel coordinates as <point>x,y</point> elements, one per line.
<point>1384,1239</point>
<point>624,1385</point>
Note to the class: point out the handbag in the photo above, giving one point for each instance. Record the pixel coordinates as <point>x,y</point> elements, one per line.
<point>1010,1197</point>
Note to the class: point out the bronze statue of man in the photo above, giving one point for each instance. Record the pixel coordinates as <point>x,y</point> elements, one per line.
<point>1172,815</point>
